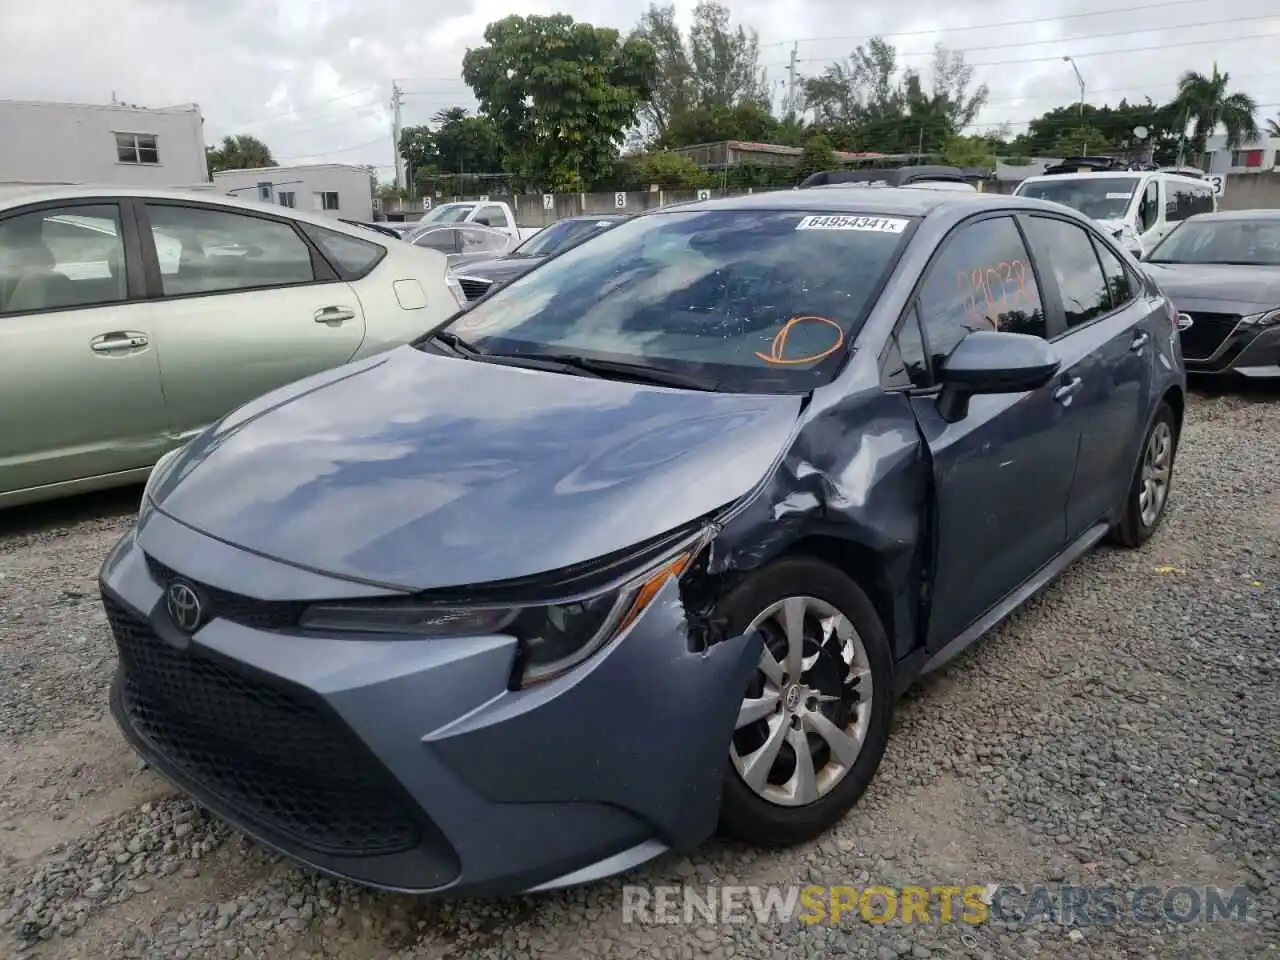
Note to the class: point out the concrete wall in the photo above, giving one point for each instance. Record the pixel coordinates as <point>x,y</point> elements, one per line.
<point>353,185</point>
<point>76,143</point>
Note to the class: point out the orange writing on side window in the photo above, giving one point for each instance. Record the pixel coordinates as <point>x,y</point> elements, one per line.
<point>778,346</point>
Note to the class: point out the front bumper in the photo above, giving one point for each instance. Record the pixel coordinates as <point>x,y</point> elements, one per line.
<point>1248,351</point>
<point>407,764</point>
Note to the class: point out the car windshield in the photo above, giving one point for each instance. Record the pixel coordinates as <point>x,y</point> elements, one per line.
<point>765,301</point>
<point>449,213</point>
<point>1238,242</point>
<point>561,236</point>
<point>1101,198</point>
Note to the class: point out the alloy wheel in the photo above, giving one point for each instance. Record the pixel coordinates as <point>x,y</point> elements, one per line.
<point>1157,469</point>
<point>805,717</point>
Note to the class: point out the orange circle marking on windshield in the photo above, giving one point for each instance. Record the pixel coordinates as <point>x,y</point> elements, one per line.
<point>779,344</point>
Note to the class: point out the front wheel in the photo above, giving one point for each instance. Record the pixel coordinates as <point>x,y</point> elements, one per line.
<point>815,718</point>
<point>1149,491</point>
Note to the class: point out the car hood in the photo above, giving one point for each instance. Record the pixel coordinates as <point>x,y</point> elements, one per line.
<point>417,471</point>
<point>1218,288</point>
<point>500,270</point>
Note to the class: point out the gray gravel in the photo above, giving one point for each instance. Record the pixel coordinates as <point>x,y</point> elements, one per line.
<point>1123,729</point>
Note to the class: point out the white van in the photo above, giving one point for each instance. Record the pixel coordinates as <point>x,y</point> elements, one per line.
<point>1139,207</point>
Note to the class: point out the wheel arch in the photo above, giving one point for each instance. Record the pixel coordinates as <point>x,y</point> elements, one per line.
<point>857,561</point>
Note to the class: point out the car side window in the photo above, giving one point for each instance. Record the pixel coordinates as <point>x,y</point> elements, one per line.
<point>1120,285</point>
<point>202,250</point>
<point>474,241</point>
<point>446,241</point>
<point>1150,210</point>
<point>1075,266</point>
<point>981,280</point>
<point>494,217</point>
<point>1175,205</point>
<point>62,258</point>
<point>353,257</point>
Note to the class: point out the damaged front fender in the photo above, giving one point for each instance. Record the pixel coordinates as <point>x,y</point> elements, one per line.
<point>645,727</point>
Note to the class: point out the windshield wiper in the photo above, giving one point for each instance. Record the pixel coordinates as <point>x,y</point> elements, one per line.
<point>456,344</point>
<point>637,372</point>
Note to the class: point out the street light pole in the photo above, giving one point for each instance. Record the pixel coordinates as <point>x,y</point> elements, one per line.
<point>1080,80</point>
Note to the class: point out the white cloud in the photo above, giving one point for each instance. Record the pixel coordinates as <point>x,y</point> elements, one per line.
<point>312,77</point>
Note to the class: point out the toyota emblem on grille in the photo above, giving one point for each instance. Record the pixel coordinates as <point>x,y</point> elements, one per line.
<point>184,606</point>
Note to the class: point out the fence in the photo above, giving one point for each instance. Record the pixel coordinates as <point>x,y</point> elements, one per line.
<point>1250,191</point>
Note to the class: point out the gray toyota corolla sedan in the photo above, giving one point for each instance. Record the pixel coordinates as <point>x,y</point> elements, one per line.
<point>646,543</point>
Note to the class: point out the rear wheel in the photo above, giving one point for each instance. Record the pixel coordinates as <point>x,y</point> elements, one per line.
<point>1149,491</point>
<point>815,718</point>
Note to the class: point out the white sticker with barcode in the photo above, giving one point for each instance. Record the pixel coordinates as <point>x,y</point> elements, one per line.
<point>1119,196</point>
<point>865,224</point>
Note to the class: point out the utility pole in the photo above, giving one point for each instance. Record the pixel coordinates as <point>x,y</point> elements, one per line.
<point>791,79</point>
<point>397,98</point>
<point>1080,80</point>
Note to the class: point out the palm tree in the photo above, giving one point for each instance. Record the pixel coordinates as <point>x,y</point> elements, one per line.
<point>1273,127</point>
<point>240,152</point>
<point>1204,102</point>
<point>451,115</point>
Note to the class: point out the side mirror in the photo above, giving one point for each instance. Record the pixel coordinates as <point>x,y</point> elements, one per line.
<point>988,362</point>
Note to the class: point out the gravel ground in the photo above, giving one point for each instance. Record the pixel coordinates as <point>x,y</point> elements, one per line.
<point>1122,729</point>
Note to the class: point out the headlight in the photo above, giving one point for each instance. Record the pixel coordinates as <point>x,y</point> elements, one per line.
<point>1267,319</point>
<point>553,637</point>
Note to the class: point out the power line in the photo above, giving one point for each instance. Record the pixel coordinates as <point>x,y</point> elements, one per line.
<point>1094,36</point>
<point>329,153</point>
<point>1066,122</point>
<point>993,26</point>
<point>1142,90</point>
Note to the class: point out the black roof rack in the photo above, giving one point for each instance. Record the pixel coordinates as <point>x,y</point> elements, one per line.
<point>890,176</point>
<point>1097,165</point>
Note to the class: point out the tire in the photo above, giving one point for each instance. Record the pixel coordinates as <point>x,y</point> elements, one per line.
<point>1136,527</point>
<point>763,817</point>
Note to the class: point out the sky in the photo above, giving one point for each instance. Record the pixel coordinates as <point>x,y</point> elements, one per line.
<point>312,78</point>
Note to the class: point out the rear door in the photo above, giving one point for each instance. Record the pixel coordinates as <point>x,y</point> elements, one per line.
<point>1106,335</point>
<point>242,303</point>
<point>78,362</point>
<point>1002,474</point>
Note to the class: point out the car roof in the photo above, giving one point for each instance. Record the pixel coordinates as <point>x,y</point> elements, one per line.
<point>1238,215</point>
<point>1115,175</point>
<point>17,195</point>
<point>862,199</point>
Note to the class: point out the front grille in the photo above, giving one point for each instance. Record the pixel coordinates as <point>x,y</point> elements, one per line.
<point>1208,331</point>
<point>275,758</point>
<point>474,289</point>
<point>251,612</point>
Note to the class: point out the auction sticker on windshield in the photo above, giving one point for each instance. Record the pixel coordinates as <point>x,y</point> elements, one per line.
<point>865,224</point>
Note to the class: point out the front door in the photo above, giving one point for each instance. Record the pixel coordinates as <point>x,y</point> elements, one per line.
<point>1003,473</point>
<point>78,362</point>
<point>244,307</point>
<point>1105,334</point>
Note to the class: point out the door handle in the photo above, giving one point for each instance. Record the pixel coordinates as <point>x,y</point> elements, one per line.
<point>1140,340</point>
<point>111,342</point>
<point>1068,390</point>
<point>334,314</point>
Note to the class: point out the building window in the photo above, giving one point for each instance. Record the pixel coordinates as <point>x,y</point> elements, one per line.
<point>287,198</point>
<point>325,201</point>
<point>1246,158</point>
<point>137,148</point>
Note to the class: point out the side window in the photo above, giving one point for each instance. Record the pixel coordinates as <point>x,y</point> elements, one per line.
<point>1120,286</point>
<point>1206,199</point>
<point>1149,212</point>
<point>1176,203</point>
<point>353,257</point>
<point>61,259</point>
<point>982,280</point>
<point>492,217</point>
<point>475,241</point>
<point>908,346</point>
<point>1074,265</point>
<point>446,241</point>
<point>202,250</point>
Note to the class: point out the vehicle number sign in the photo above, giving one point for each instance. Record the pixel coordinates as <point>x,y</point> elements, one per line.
<point>1218,182</point>
<point>863,224</point>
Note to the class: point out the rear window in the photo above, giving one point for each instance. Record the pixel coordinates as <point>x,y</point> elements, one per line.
<point>760,300</point>
<point>352,257</point>
<point>1100,198</point>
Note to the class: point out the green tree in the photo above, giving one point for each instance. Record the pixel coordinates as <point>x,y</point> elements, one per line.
<point>561,94</point>
<point>818,156</point>
<point>670,171</point>
<point>713,72</point>
<point>468,145</point>
<point>1205,104</point>
<point>1081,140</point>
<point>418,147</point>
<point>239,152</point>
<point>747,121</point>
<point>970,151</point>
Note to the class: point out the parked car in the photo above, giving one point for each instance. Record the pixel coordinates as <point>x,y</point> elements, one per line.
<point>132,319</point>
<point>496,215</point>
<point>461,244</point>
<point>1223,271</point>
<point>562,235</point>
<point>926,176</point>
<point>1138,207</point>
<point>647,541</point>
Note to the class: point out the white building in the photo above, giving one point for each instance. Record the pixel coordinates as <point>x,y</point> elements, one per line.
<point>113,144</point>
<point>339,189</point>
<point>1259,157</point>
